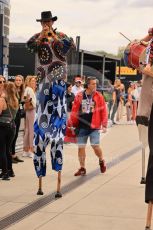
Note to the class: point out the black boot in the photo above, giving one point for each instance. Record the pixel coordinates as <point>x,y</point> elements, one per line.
<point>1,174</point>
<point>17,159</point>
<point>5,176</point>
<point>58,195</point>
<point>11,173</point>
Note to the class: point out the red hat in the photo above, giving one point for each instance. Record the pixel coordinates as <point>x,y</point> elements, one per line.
<point>78,79</point>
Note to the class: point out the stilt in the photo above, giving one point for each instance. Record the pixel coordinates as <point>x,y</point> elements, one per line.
<point>143,179</point>
<point>58,193</point>
<point>40,192</point>
<point>149,216</point>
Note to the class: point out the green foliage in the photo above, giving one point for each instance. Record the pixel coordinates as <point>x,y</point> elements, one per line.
<point>107,96</point>
<point>106,54</point>
<point>119,53</point>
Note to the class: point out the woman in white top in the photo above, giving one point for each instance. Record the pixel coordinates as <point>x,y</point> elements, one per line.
<point>30,106</point>
<point>78,86</point>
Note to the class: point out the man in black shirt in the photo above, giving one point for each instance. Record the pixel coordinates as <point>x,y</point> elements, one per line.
<point>89,113</point>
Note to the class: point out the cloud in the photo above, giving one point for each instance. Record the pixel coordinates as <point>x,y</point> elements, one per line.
<point>120,4</point>
<point>89,1</point>
<point>141,3</point>
<point>18,39</point>
<point>98,22</point>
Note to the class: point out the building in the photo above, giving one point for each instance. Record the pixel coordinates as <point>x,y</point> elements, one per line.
<point>21,61</point>
<point>4,34</point>
<point>101,66</point>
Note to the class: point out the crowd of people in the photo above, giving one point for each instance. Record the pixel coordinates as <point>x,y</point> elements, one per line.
<point>18,100</point>
<point>120,98</point>
<point>55,110</point>
<point>14,96</point>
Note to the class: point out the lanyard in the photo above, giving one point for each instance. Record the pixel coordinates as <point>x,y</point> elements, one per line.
<point>89,100</point>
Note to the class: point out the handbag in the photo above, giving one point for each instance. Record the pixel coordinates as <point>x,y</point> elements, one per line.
<point>8,121</point>
<point>21,111</point>
<point>9,124</point>
<point>28,105</point>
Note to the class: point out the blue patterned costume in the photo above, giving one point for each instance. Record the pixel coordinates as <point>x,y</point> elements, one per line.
<point>50,120</point>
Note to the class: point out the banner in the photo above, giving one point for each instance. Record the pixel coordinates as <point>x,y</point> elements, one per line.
<point>125,71</point>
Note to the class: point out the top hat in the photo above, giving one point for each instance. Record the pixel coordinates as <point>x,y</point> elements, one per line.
<point>46,16</point>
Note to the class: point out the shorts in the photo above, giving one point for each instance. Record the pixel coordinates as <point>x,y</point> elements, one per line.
<point>93,134</point>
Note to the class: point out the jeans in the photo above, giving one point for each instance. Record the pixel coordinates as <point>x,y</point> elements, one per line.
<point>93,134</point>
<point>115,106</point>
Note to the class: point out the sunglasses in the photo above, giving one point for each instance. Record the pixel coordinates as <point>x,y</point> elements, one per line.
<point>2,82</point>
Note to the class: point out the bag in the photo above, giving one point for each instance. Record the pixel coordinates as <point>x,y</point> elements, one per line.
<point>28,105</point>
<point>9,124</point>
<point>21,111</point>
<point>8,121</point>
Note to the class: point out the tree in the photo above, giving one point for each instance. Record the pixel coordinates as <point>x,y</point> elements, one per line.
<point>107,54</point>
<point>120,53</point>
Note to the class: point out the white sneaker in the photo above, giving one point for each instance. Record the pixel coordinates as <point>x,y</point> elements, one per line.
<point>25,154</point>
<point>30,154</point>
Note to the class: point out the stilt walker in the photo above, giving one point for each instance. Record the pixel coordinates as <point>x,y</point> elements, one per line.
<point>149,175</point>
<point>50,121</point>
<point>145,109</point>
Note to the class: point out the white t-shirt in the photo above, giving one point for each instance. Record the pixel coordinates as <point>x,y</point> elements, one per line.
<point>76,89</point>
<point>135,93</point>
<point>29,92</point>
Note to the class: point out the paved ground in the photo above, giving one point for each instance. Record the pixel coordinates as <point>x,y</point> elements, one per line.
<point>110,201</point>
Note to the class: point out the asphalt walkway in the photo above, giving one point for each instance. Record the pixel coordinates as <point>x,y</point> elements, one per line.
<point>110,201</point>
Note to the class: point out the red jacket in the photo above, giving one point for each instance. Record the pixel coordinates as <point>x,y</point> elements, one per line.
<point>99,117</point>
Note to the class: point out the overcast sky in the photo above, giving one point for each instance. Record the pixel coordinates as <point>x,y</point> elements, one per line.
<point>97,22</point>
